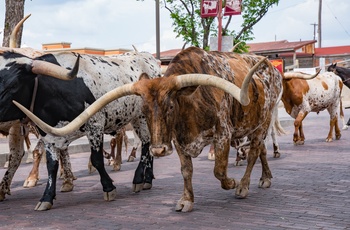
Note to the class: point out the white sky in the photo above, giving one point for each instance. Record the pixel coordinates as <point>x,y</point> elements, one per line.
<point>109,24</point>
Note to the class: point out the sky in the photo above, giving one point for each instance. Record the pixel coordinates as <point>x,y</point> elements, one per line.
<point>113,24</point>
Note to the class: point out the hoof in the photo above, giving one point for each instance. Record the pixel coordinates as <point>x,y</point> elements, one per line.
<point>184,206</point>
<point>67,186</point>
<point>6,165</point>
<point>345,127</point>
<point>211,156</point>
<point>264,183</point>
<point>131,159</point>
<point>43,206</point>
<point>91,169</point>
<point>109,196</point>
<point>329,139</point>
<point>29,183</point>
<point>276,155</point>
<point>147,186</point>
<point>116,167</point>
<point>241,193</point>
<point>137,187</point>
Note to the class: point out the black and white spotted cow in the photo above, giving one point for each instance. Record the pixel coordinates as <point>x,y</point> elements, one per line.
<point>58,102</point>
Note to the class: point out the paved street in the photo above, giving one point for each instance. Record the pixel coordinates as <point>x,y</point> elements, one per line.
<point>310,190</point>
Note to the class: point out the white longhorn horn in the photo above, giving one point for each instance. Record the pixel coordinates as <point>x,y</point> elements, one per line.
<point>84,116</point>
<point>13,36</point>
<point>299,75</point>
<point>241,95</point>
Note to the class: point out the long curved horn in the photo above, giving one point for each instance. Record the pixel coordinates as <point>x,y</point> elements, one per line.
<point>240,95</point>
<point>84,116</point>
<point>298,75</point>
<point>49,69</point>
<point>13,36</point>
<point>136,51</point>
<point>235,46</point>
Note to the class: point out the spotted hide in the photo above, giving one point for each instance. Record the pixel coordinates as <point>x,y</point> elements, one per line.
<point>196,104</point>
<point>300,97</point>
<point>59,102</point>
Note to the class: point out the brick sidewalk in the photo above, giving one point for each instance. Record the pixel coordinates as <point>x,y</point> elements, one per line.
<point>310,190</point>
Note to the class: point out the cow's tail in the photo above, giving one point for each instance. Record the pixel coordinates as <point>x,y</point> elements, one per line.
<point>341,113</point>
<point>278,127</point>
<point>276,122</point>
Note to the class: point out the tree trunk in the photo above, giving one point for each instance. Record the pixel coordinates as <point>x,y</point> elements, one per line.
<point>14,14</point>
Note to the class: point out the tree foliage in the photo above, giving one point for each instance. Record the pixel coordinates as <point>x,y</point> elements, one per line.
<point>195,31</point>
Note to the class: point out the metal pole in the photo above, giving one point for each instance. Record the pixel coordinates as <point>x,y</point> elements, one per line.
<point>220,26</point>
<point>319,32</point>
<point>157,31</point>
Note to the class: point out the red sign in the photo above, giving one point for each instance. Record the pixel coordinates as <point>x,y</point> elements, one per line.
<point>209,8</point>
<point>278,64</point>
<point>233,7</point>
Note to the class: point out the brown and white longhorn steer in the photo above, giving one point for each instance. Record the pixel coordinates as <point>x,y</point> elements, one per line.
<point>204,97</point>
<point>301,97</point>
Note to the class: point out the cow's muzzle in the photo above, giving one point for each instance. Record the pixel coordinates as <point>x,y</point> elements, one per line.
<point>160,150</point>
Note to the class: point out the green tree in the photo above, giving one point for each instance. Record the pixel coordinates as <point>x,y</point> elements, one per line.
<point>196,31</point>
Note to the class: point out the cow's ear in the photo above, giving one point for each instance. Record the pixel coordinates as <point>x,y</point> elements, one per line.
<point>144,76</point>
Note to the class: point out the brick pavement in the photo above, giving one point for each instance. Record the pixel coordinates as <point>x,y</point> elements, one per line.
<point>310,190</point>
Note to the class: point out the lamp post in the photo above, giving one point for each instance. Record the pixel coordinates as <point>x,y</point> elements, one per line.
<point>157,31</point>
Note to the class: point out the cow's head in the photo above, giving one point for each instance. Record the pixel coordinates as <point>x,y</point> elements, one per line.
<point>17,74</point>
<point>160,104</point>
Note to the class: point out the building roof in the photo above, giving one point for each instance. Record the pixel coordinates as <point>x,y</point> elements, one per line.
<point>278,46</point>
<point>330,51</point>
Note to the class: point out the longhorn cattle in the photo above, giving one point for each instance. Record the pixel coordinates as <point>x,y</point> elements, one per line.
<point>58,102</point>
<point>16,131</point>
<point>196,103</point>
<point>344,74</point>
<point>301,97</point>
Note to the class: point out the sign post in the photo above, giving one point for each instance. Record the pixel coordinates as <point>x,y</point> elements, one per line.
<point>213,8</point>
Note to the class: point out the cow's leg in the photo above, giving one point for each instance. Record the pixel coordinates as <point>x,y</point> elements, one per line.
<point>144,172</point>
<point>118,157</point>
<point>265,180</point>
<point>96,142</point>
<point>211,153</point>
<point>132,155</point>
<point>33,176</point>
<point>29,150</point>
<point>222,150</point>
<point>333,124</point>
<point>16,154</point>
<point>298,137</point>
<point>46,200</point>
<point>143,177</point>
<point>255,148</point>
<point>113,144</point>
<point>185,204</point>
<point>67,175</point>
<point>136,145</point>
<point>276,149</point>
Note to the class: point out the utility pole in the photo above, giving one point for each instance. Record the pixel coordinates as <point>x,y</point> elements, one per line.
<point>319,32</point>
<point>314,24</point>
<point>157,31</point>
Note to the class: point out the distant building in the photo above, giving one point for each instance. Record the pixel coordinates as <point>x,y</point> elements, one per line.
<point>66,46</point>
<point>300,54</point>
